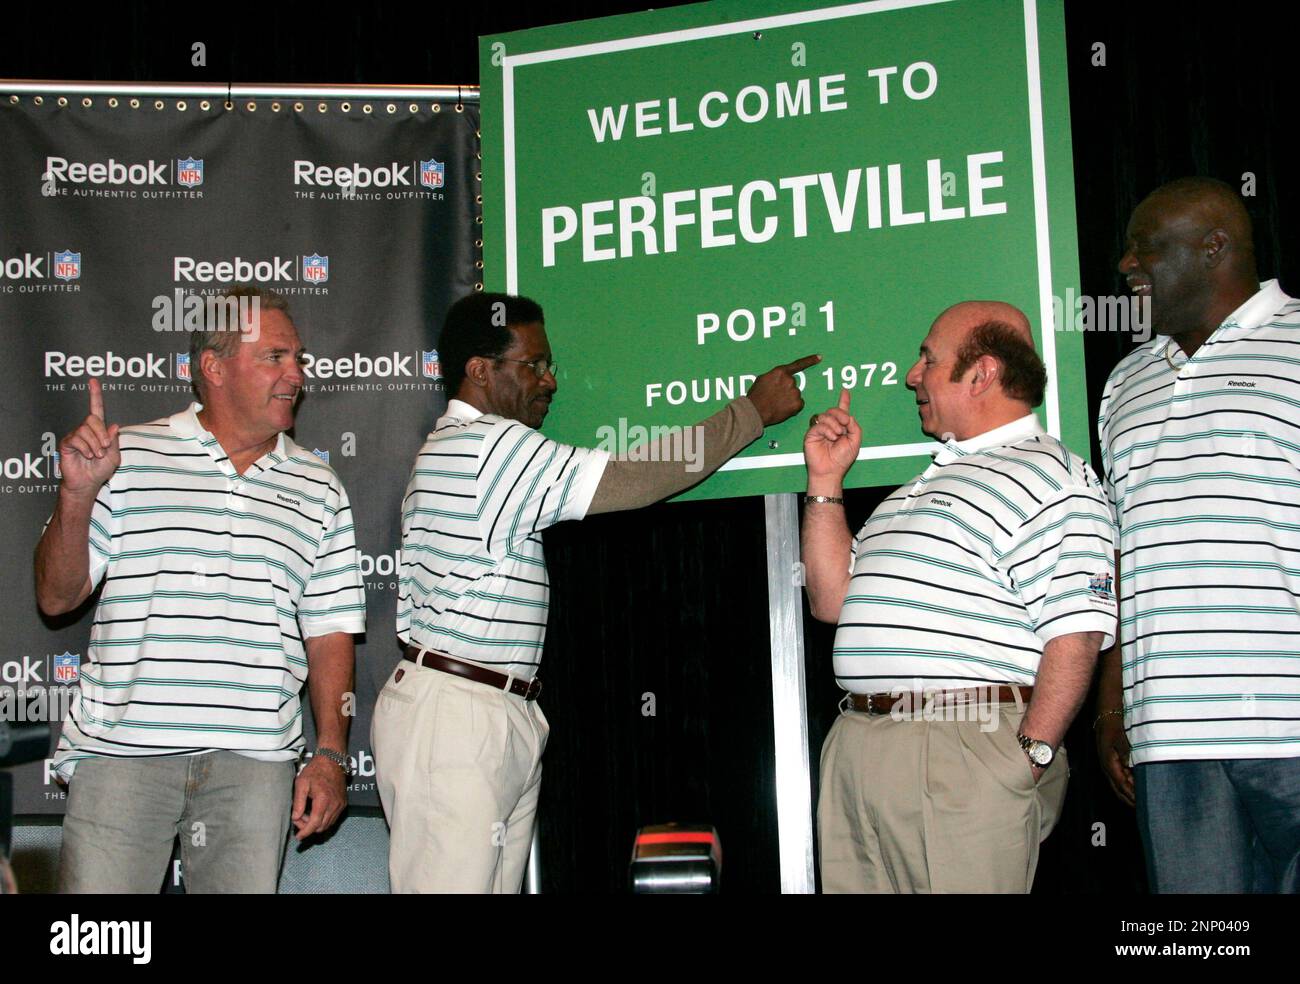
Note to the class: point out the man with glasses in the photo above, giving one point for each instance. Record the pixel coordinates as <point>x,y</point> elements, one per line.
<point>457,733</point>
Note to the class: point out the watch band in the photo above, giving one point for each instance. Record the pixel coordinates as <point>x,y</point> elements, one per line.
<point>835,500</point>
<point>1034,748</point>
<point>338,758</point>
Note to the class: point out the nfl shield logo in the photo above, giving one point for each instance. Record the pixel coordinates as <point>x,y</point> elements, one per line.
<point>67,265</point>
<point>189,172</point>
<point>322,455</point>
<point>1100,585</point>
<point>430,365</point>
<point>315,269</point>
<point>432,173</point>
<point>57,459</point>
<point>67,668</point>
<point>183,367</point>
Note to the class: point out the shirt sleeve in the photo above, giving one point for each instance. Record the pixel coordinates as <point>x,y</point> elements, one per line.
<point>527,482</point>
<point>334,599</point>
<point>1061,564</point>
<point>100,537</point>
<point>102,528</point>
<point>853,548</point>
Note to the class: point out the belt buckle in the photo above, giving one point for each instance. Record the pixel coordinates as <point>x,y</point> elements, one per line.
<point>530,690</point>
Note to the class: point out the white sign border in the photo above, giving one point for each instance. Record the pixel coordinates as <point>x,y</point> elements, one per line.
<point>1037,156</point>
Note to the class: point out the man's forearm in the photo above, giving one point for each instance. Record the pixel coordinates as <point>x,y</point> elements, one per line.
<point>63,556</point>
<point>1110,683</point>
<point>678,460</point>
<point>1064,675</point>
<point>329,681</point>
<point>827,548</point>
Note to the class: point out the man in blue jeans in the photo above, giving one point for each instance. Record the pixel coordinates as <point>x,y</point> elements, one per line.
<point>228,570</point>
<point>1200,437</point>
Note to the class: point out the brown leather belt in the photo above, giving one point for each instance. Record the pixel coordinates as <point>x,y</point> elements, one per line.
<point>916,702</point>
<point>527,689</point>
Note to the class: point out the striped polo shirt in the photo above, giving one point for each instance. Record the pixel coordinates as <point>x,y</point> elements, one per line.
<point>1202,461</point>
<point>473,578</point>
<point>211,582</point>
<point>960,577</point>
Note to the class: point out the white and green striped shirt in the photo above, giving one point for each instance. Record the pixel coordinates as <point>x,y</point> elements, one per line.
<point>211,582</point>
<point>1202,461</point>
<point>473,577</point>
<point>961,577</point>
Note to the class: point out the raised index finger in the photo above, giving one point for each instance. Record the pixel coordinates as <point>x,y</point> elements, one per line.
<point>799,365</point>
<point>96,398</point>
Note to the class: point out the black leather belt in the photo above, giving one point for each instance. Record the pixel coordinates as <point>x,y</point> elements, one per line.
<point>527,689</point>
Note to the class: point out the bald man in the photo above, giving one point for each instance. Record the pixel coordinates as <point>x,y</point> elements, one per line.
<point>971,608</point>
<point>1198,716</point>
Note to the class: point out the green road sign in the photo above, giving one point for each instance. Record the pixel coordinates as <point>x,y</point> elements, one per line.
<point>697,194</point>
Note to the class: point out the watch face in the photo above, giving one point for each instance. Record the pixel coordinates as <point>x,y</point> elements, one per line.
<point>1040,752</point>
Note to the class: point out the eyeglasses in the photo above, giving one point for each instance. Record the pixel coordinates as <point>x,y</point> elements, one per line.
<point>539,366</point>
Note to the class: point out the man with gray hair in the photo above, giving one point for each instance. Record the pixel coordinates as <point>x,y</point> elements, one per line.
<point>225,321</point>
<point>229,579</point>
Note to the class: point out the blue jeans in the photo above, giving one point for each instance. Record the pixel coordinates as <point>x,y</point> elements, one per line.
<point>1221,826</point>
<point>231,813</point>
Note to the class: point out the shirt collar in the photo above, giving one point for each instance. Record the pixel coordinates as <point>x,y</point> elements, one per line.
<point>186,424</point>
<point>460,410</point>
<point>1258,308</point>
<point>1011,433</point>
<point>1266,302</point>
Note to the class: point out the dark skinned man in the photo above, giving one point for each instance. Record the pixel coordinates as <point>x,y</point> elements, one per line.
<point>1198,718</point>
<point>458,733</point>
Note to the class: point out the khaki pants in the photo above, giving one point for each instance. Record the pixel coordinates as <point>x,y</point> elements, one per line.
<point>932,806</point>
<point>459,769</point>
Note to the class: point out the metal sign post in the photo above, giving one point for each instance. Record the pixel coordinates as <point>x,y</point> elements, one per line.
<point>789,699</point>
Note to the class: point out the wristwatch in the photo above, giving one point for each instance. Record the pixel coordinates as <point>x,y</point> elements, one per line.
<point>1039,752</point>
<point>338,758</point>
